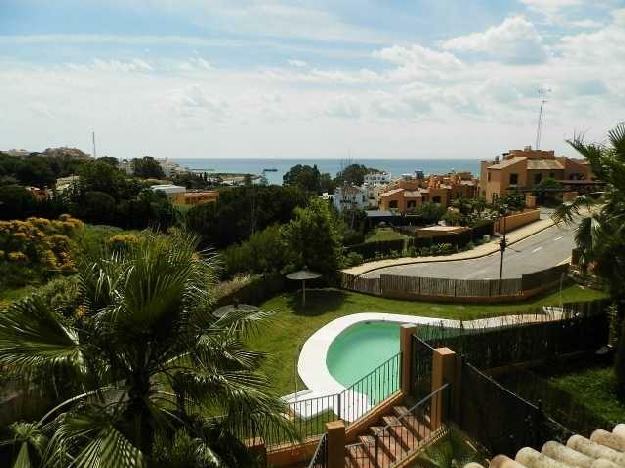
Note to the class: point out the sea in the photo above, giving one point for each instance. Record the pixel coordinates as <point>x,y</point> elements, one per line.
<point>396,167</point>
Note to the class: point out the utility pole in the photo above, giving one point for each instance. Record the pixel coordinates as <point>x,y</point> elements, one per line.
<point>93,144</point>
<point>502,243</point>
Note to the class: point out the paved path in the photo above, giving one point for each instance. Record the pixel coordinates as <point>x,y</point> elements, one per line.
<point>540,251</point>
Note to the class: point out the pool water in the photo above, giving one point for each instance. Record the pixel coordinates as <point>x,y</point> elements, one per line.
<point>360,349</point>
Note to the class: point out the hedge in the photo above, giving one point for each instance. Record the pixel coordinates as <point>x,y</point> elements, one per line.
<point>370,250</point>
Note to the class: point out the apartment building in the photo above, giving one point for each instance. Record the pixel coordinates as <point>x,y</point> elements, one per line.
<point>524,169</point>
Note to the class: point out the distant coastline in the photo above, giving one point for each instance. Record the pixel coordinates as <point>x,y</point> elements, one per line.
<point>255,166</point>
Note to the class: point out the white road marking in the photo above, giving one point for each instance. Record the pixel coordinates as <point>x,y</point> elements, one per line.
<point>536,249</point>
<point>559,237</point>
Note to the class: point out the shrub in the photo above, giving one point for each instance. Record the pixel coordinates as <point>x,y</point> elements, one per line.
<point>122,242</point>
<point>263,252</point>
<point>248,289</point>
<point>353,259</point>
<point>370,250</point>
<point>39,246</point>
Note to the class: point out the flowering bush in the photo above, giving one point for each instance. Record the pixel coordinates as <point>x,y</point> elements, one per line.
<point>40,243</point>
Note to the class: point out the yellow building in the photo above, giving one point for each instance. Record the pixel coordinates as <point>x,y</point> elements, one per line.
<point>179,195</point>
<point>526,168</point>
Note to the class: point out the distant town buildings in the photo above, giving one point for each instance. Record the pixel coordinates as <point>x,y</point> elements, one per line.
<point>63,151</point>
<point>169,167</point>
<point>377,178</point>
<point>349,197</point>
<point>64,183</point>
<point>524,169</point>
<point>180,196</point>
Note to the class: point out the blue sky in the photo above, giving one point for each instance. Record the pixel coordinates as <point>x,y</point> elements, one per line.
<point>227,78</point>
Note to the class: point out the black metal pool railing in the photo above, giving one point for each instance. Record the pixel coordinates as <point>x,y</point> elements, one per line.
<point>310,415</point>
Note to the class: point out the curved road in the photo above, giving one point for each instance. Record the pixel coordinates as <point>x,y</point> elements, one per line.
<point>538,252</point>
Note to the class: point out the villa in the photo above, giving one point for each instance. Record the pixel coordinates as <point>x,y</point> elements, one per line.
<point>408,193</point>
<point>525,169</point>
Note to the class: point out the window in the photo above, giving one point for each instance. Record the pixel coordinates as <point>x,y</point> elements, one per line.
<point>514,179</point>
<point>436,199</point>
<point>489,176</point>
<point>538,178</point>
<point>551,175</point>
<point>412,204</point>
<point>392,204</point>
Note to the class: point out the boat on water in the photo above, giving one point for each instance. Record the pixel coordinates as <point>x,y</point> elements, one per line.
<point>271,169</point>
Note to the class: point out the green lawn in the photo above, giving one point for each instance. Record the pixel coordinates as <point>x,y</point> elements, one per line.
<point>291,326</point>
<point>594,388</point>
<point>384,234</point>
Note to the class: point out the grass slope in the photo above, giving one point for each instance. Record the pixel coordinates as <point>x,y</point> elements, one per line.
<point>594,388</point>
<point>291,325</point>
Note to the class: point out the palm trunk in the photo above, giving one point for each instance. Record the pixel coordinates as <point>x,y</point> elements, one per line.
<point>619,360</point>
<point>139,413</point>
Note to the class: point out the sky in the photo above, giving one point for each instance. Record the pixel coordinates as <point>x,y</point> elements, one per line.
<point>309,79</point>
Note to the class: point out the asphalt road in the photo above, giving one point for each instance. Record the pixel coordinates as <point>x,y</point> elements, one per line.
<point>538,252</point>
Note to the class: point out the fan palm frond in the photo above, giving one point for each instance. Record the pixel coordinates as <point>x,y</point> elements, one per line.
<point>33,336</point>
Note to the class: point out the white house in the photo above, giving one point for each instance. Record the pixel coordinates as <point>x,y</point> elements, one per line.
<point>349,197</point>
<point>172,191</point>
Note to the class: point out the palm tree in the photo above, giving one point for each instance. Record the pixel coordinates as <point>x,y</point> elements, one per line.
<point>157,380</point>
<point>600,236</point>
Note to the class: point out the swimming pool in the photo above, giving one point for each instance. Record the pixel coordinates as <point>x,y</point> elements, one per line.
<point>361,348</point>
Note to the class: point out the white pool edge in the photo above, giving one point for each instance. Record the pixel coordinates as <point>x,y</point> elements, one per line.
<point>312,362</point>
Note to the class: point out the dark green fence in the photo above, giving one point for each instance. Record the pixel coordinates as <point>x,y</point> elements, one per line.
<point>582,327</point>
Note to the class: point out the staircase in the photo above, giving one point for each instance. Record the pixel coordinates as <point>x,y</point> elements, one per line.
<point>604,449</point>
<point>400,435</point>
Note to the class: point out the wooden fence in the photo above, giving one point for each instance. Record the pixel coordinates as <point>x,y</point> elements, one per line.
<point>420,287</point>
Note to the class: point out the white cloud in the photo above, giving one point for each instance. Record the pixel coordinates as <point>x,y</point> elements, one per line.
<point>515,40</point>
<point>550,8</point>
<point>586,24</point>
<point>297,63</point>
<point>418,55</point>
<point>469,96</point>
<point>194,101</point>
<point>343,106</point>
<point>121,66</point>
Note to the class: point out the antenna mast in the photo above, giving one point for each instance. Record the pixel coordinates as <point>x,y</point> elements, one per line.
<point>93,143</point>
<point>542,94</point>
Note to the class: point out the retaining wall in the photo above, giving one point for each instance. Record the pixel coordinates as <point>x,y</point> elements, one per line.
<point>517,220</point>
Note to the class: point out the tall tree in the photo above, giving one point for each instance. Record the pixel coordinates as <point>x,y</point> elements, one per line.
<point>354,174</point>
<point>313,237</point>
<point>147,168</point>
<point>305,177</point>
<point>601,232</point>
<point>151,367</point>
